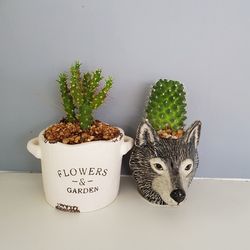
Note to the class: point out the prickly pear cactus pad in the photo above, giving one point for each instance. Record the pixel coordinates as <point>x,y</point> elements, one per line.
<point>167,105</point>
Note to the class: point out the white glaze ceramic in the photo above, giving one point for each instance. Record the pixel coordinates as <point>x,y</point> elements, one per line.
<point>81,177</point>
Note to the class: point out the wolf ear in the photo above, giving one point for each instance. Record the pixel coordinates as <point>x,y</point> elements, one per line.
<point>145,134</point>
<point>193,133</point>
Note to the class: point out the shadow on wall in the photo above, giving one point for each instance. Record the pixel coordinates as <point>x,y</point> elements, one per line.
<point>135,118</point>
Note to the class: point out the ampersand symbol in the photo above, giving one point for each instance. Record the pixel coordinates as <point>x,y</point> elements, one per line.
<point>82,182</point>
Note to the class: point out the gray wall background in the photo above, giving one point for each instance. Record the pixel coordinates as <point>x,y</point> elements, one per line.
<point>204,44</point>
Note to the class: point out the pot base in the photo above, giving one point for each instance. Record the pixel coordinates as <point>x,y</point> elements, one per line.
<point>79,209</point>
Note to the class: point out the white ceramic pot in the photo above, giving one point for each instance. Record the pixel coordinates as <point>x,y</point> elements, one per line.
<point>81,177</point>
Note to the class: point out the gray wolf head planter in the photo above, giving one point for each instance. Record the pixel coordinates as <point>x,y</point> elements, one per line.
<point>163,168</point>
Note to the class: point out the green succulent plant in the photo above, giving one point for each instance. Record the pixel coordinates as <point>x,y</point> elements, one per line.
<point>167,105</point>
<point>80,95</point>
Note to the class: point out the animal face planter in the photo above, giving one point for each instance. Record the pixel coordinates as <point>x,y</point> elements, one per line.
<point>164,158</point>
<point>163,168</point>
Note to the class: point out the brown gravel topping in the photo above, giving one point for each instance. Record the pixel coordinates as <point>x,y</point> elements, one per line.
<point>71,133</point>
<point>168,133</point>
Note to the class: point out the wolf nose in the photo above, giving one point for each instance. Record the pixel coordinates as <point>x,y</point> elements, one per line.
<point>178,195</point>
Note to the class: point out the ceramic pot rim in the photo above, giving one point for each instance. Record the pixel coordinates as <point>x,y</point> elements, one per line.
<point>60,144</point>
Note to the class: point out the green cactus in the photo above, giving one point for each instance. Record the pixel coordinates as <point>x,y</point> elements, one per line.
<point>167,105</point>
<point>66,97</point>
<point>80,96</point>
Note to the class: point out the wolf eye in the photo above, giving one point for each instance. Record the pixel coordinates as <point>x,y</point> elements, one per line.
<point>188,167</point>
<point>158,166</point>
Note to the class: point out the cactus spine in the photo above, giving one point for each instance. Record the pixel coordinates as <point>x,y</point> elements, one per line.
<point>80,96</point>
<point>167,105</point>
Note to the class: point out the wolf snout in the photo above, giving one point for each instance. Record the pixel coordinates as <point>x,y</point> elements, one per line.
<point>178,195</point>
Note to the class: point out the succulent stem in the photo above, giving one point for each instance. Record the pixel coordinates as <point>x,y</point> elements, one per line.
<point>167,105</point>
<point>80,96</point>
<point>66,97</point>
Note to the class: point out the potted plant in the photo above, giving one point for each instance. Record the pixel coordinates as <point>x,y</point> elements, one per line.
<point>81,157</point>
<point>164,158</point>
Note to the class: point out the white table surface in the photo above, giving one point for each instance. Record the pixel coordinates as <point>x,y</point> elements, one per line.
<point>215,216</point>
